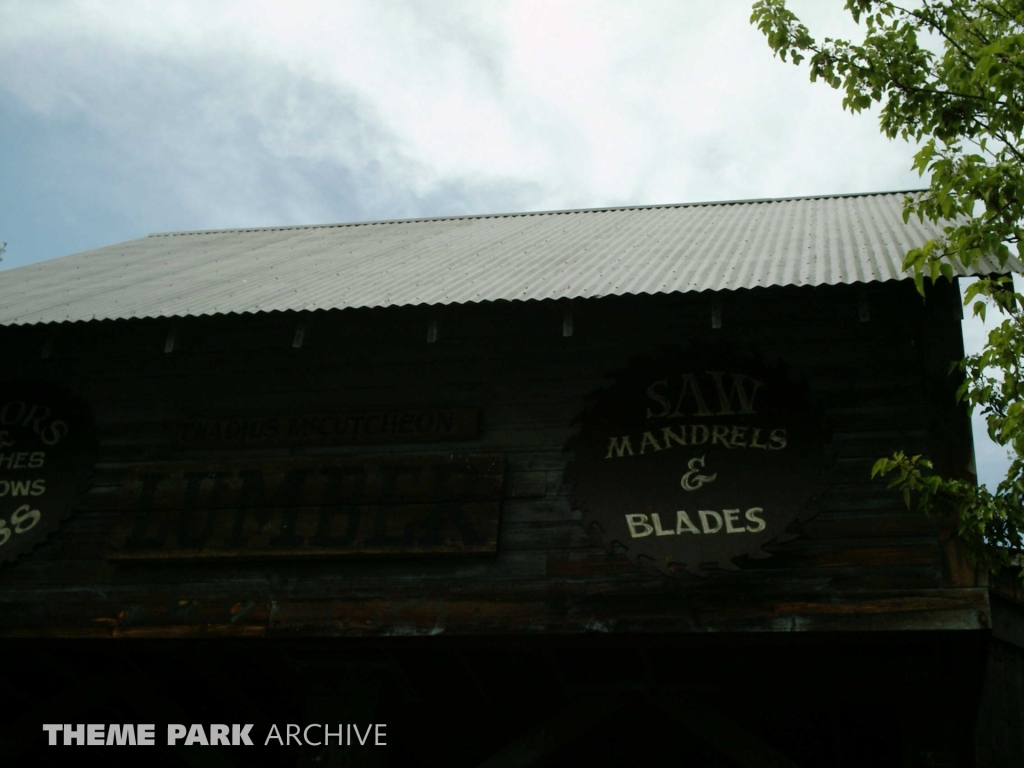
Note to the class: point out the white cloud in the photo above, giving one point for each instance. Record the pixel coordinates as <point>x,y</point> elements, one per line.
<point>585,103</point>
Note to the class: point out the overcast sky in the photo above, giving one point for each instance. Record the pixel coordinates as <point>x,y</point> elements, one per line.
<point>121,118</point>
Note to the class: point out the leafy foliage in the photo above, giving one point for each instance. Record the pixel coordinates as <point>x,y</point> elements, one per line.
<point>949,76</point>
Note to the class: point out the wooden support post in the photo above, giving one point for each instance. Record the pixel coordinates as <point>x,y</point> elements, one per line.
<point>300,334</point>
<point>432,330</point>
<point>474,678</point>
<point>716,315</point>
<point>567,321</point>
<point>956,564</point>
<point>563,683</point>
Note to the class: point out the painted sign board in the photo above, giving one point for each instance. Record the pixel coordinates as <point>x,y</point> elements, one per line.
<point>697,457</point>
<point>327,506</point>
<point>409,425</point>
<point>47,450</point>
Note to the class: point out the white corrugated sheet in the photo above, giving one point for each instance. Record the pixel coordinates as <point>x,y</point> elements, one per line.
<point>515,257</point>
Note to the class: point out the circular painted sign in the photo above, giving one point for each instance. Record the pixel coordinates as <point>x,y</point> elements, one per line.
<point>46,460</point>
<point>696,457</point>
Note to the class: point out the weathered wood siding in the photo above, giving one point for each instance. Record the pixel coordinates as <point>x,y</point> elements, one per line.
<point>863,563</point>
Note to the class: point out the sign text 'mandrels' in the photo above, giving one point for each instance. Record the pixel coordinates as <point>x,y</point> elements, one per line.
<point>350,428</point>
<point>696,457</point>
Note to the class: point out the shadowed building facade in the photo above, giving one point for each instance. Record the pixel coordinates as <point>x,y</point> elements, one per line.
<point>530,489</point>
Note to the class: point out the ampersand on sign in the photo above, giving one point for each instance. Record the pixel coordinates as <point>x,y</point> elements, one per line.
<point>693,480</point>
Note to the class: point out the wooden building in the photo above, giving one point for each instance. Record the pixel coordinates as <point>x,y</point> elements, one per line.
<point>585,487</point>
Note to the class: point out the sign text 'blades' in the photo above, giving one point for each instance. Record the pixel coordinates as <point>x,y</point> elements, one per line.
<point>696,457</point>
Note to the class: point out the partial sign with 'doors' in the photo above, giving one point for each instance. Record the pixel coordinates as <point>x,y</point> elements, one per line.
<point>46,459</point>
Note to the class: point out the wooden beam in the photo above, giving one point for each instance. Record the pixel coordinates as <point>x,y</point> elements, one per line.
<point>746,749</point>
<point>474,678</point>
<point>569,723</point>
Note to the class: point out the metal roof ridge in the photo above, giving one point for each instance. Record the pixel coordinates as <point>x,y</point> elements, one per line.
<point>603,209</point>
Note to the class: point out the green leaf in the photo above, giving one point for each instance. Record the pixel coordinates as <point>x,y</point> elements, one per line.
<point>961,99</point>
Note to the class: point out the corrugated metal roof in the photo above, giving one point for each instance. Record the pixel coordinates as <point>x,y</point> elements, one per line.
<point>565,254</point>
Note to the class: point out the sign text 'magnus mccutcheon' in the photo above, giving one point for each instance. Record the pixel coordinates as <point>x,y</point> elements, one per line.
<point>403,425</point>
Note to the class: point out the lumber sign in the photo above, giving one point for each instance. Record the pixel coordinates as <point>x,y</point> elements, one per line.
<point>327,506</point>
